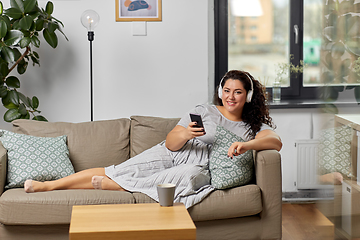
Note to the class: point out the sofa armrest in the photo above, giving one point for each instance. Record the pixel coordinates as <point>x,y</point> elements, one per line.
<point>3,168</point>
<point>269,179</point>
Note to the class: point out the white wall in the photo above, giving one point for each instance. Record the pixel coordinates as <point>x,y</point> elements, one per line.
<point>162,74</point>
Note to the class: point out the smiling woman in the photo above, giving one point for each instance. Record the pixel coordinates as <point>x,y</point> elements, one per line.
<point>243,98</point>
<point>233,99</point>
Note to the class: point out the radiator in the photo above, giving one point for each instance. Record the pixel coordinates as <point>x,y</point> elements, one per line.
<point>307,165</point>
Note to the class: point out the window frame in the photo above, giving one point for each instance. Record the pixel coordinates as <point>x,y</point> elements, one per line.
<point>296,90</point>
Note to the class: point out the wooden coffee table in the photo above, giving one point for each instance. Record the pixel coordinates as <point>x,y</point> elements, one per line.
<point>131,221</point>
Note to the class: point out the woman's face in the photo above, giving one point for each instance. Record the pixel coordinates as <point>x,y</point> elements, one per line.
<point>234,96</point>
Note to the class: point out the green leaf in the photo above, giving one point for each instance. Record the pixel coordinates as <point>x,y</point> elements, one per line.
<point>25,22</point>
<point>13,37</point>
<point>40,118</point>
<point>17,53</point>
<point>21,67</point>
<point>16,25</point>
<point>35,14</point>
<point>35,61</point>
<point>29,5</point>
<point>24,99</point>
<point>24,42</point>
<point>3,28</point>
<point>11,115</point>
<point>57,20</point>
<point>29,101</point>
<point>10,105</point>
<point>7,101</point>
<point>7,20</point>
<point>36,54</point>
<point>4,69</point>
<point>63,34</point>
<point>52,26</point>
<point>35,41</point>
<point>39,24</point>
<point>22,109</point>
<point>27,116</point>
<point>14,13</point>
<point>18,4</point>
<point>13,82</point>
<point>50,38</point>
<point>7,54</point>
<point>13,97</point>
<point>3,91</point>
<point>49,8</point>
<point>1,8</point>
<point>35,102</point>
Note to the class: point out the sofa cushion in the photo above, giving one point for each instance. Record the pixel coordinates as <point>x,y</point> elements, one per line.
<point>146,132</point>
<point>230,203</point>
<point>142,198</point>
<point>18,207</point>
<point>226,172</point>
<point>91,144</point>
<point>38,158</point>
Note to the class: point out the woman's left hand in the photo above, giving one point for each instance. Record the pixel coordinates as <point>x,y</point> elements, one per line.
<point>238,148</point>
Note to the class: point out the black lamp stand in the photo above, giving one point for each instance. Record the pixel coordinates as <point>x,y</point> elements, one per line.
<point>91,38</point>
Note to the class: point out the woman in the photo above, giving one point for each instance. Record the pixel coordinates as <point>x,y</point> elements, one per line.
<point>241,108</point>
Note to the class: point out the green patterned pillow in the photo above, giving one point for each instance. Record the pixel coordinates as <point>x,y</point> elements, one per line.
<point>335,150</point>
<point>226,172</point>
<point>37,158</point>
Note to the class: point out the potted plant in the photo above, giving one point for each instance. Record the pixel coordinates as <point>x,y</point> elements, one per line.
<point>283,70</point>
<point>20,27</point>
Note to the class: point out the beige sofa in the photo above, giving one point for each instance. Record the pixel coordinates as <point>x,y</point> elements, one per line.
<point>248,212</point>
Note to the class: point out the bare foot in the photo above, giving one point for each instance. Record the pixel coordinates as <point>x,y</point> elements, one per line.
<point>335,178</point>
<point>31,186</point>
<point>28,186</point>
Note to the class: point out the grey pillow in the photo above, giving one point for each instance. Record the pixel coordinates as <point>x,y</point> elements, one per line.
<point>226,172</point>
<point>37,158</point>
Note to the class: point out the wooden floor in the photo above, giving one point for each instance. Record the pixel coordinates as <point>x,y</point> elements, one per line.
<point>305,222</point>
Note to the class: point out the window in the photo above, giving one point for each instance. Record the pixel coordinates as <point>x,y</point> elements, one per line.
<point>325,35</point>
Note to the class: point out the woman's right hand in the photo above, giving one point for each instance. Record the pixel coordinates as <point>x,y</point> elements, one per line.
<point>177,137</point>
<point>194,131</point>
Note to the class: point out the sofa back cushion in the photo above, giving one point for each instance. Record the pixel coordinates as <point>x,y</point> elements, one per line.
<point>91,144</point>
<point>146,132</point>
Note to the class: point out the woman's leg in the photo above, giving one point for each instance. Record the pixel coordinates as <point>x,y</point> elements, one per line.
<point>79,180</point>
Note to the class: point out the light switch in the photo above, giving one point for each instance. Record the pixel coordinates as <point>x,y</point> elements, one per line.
<point>139,28</point>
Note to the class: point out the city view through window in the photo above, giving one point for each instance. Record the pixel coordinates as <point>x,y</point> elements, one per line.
<point>259,39</point>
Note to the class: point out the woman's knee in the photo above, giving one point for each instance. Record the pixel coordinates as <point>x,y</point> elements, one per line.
<point>95,171</point>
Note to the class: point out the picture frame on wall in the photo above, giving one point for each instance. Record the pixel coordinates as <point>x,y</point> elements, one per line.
<point>138,10</point>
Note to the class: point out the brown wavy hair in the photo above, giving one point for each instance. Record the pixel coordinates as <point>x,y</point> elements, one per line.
<point>256,112</point>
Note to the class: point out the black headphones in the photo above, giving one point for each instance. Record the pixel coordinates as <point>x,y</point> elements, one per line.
<point>249,94</point>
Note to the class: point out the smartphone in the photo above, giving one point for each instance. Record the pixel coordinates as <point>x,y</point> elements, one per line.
<point>197,118</point>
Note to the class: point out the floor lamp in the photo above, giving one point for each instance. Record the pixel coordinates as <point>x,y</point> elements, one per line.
<point>89,20</point>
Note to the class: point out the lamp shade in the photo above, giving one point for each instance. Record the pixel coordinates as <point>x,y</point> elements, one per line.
<point>90,19</point>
